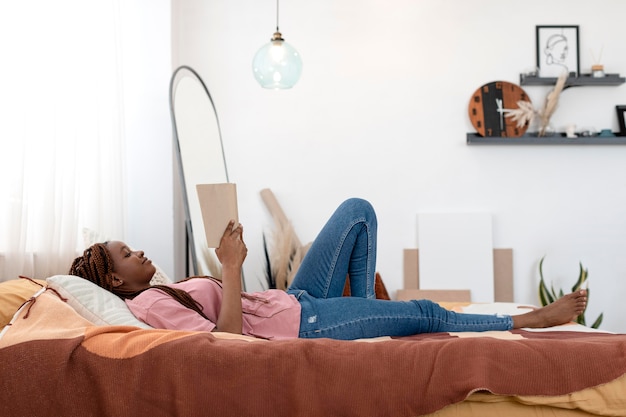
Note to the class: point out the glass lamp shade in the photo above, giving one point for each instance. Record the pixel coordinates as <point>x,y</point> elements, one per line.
<point>277,64</point>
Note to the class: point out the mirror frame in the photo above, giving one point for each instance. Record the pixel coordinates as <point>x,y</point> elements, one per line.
<point>191,251</point>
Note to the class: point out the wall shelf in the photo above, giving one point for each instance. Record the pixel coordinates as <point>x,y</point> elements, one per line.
<point>583,79</point>
<point>558,139</point>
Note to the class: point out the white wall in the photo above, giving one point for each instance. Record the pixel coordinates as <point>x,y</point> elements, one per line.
<point>146,68</point>
<point>381,112</point>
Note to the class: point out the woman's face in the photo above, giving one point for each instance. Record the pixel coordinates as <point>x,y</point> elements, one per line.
<point>132,271</point>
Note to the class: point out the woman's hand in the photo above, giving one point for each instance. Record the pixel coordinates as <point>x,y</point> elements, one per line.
<point>231,254</point>
<point>232,250</point>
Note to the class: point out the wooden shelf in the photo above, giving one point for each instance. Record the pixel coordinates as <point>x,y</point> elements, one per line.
<point>558,139</point>
<point>583,79</point>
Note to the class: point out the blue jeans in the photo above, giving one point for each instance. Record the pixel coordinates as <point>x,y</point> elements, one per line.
<point>345,246</point>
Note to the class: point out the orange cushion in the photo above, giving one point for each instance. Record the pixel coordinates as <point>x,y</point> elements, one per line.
<point>13,293</point>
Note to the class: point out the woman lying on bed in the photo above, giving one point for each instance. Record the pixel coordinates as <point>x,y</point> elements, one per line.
<point>312,307</point>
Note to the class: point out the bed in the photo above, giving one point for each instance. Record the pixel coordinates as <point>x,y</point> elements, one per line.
<point>70,350</point>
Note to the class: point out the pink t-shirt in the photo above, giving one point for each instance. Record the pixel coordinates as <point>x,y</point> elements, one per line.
<point>271,314</point>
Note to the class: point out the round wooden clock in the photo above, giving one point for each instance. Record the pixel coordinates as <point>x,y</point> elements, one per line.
<point>489,106</point>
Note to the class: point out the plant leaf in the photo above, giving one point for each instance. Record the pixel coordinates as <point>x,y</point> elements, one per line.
<point>582,277</point>
<point>554,295</point>
<point>544,295</point>
<point>598,321</point>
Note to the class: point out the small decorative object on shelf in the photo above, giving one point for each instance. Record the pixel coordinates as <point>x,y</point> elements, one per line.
<point>597,71</point>
<point>606,133</point>
<point>588,132</point>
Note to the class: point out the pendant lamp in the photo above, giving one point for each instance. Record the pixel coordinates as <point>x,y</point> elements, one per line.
<point>277,65</point>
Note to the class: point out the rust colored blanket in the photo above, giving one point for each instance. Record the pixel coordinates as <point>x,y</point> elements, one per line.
<point>54,363</point>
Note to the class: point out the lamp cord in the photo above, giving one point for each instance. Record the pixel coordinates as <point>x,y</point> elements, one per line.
<point>277,30</point>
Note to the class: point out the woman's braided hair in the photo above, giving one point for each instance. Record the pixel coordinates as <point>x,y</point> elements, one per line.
<point>96,265</point>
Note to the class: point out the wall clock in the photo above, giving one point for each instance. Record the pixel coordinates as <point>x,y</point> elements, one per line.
<point>489,106</point>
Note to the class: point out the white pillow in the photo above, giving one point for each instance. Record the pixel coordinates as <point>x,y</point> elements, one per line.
<point>96,304</point>
<point>91,236</point>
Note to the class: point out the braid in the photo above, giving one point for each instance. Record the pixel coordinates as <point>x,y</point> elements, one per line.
<point>182,297</point>
<point>96,265</point>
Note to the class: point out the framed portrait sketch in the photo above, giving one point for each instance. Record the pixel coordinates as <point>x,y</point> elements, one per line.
<point>621,112</point>
<point>557,50</point>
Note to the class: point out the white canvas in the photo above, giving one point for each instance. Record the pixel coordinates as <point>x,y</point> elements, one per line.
<point>456,252</point>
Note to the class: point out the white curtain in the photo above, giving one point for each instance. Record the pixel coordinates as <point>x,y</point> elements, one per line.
<point>61,131</point>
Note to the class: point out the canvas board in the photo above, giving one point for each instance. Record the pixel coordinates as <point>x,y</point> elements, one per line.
<point>218,204</point>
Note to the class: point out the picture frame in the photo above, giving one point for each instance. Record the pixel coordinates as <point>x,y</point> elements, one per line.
<point>558,50</point>
<point>621,113</point>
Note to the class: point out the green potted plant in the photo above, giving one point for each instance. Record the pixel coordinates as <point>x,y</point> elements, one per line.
<point>547,296</point>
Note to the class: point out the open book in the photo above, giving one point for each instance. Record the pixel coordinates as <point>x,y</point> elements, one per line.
<point>218,203</point>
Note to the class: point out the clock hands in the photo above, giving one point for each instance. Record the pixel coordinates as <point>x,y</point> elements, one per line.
<point>501,110</point>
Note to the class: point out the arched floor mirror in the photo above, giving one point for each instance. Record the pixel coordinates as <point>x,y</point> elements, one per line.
<point>200,157</point>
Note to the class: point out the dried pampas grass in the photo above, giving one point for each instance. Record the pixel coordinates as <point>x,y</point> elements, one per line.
<point>550,104</point>
<point>283,254</point>
<point>524,114</point>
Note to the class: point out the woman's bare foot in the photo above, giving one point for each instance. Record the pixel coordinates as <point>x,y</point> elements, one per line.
<point>562,311</point>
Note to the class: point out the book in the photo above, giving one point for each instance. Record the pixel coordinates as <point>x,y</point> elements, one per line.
<point>218,204</point>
